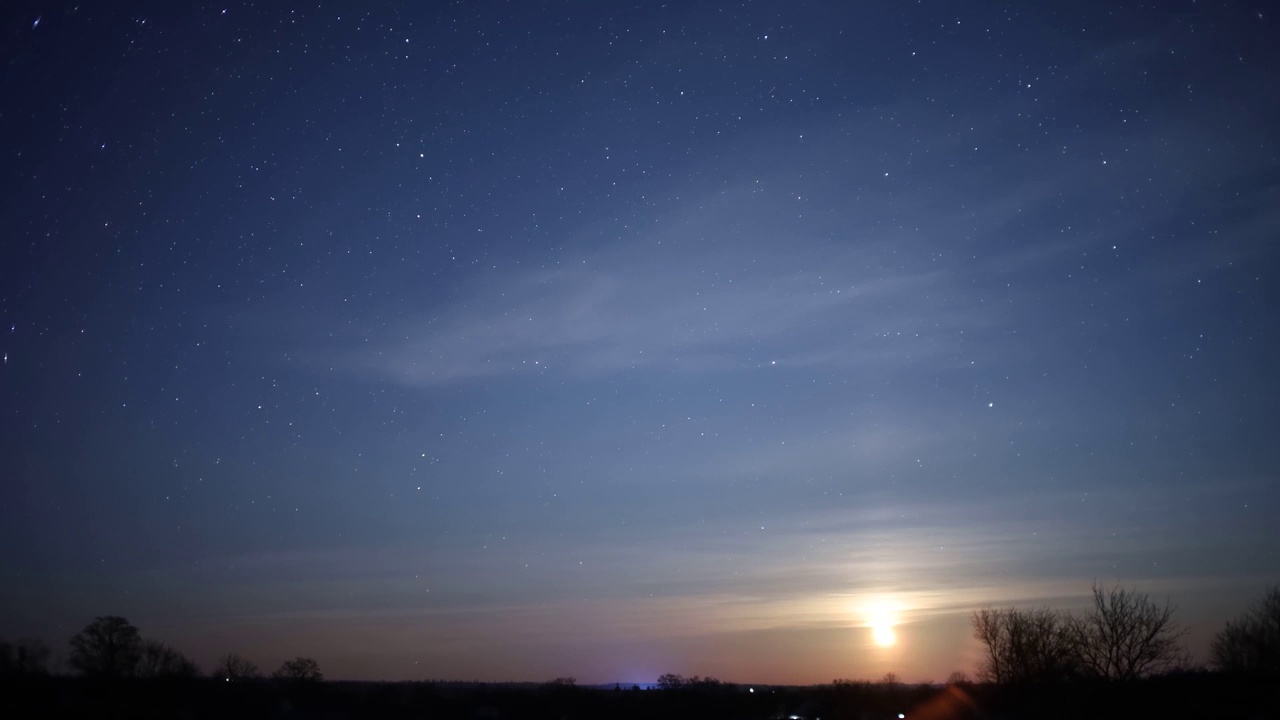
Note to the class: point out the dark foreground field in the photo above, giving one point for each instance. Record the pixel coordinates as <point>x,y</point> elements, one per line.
<point>1188,696</point>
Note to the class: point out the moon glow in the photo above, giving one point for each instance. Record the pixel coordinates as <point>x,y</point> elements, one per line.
<point>881,618</point>
<point>883,634</point>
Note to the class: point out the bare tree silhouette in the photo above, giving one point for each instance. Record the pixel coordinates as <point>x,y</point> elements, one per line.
<point>1251,643</point>
<point>235,667</point>
<point>1126,635</point>
<point>300,668</point>
<point>107,647</point>
<point>157,660</point>
<point>671,681</point>
<point>1023,645</point>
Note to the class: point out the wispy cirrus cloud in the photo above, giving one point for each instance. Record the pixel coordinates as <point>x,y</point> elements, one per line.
<point>602,321</point>
<point>691,304</point>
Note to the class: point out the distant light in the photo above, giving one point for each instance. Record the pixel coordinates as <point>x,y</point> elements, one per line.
<point>900,716</point>
<point>751,689</point>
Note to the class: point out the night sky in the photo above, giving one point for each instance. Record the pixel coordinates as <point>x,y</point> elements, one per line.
<point>515,340</point>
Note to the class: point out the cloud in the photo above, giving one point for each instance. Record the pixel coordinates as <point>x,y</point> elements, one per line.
<point>611,319</point>
<point>682,301</point>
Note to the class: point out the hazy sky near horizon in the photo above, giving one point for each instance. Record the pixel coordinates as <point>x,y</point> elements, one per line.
<point>509,341</point>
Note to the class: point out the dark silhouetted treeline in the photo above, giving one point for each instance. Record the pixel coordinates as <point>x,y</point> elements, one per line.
<point>1120,659</point>
<point>1195,695</point>
<point>1124,636</point>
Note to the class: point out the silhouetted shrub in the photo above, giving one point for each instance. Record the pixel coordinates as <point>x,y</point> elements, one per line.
<point>1251,643</point>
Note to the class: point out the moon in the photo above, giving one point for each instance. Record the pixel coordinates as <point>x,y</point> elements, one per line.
<point>881,617</point>
<point>883,634</point>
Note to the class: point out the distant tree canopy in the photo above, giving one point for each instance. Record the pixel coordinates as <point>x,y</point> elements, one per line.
<point>672,681</point>
<point>158,660</point>
<point>1124,636</point>
<point>24,657</point>
<point>108,647</point>
<point>301,669</point>
<point>1251,642</point>
<point>235,667</point>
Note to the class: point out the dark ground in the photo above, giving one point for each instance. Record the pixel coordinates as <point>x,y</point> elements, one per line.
<point>1200,695</point>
